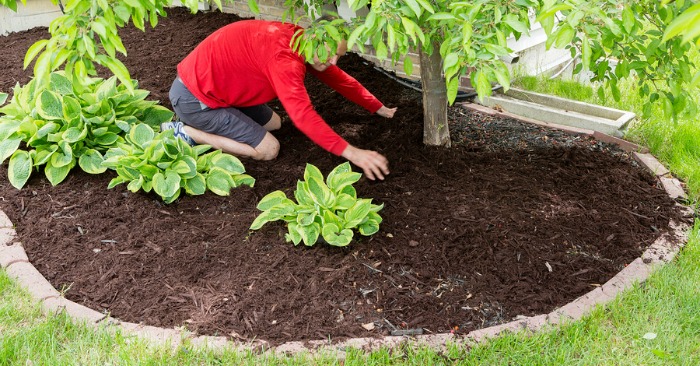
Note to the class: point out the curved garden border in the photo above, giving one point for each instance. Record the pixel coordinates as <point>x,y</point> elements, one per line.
<point>15,261</point>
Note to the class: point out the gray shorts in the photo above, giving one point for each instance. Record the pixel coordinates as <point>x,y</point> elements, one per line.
<point>239,124</point>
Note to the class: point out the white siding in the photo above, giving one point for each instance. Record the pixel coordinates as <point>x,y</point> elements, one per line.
<point>36,13</point>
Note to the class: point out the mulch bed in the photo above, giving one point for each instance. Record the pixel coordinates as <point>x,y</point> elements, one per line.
<point>512,220</point>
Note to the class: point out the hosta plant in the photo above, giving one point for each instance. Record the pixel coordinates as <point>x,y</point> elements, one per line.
<point>61,124</point>
<point>166,165</point>
<point>329,209</point>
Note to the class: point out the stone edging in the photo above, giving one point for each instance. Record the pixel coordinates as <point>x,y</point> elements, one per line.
<point>14,260</point>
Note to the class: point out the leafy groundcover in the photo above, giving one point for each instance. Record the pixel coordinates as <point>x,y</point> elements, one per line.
<point>512,220</point>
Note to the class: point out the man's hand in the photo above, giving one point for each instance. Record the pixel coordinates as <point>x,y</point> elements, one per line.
<point>386,112</point>
<point>372,163</point>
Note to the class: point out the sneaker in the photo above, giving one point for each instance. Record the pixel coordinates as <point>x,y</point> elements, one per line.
<point>179,131</point>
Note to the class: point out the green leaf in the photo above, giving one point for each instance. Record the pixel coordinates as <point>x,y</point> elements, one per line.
<point>334,236</point>
<point>91,162</point>
<point>43,154</point>
<point>243,179</point>
<point>71,108</point>
<point>3,98</point>
<point>357,213</point>
<point>502,75</point>
<point>8,147</point>
<point>167,199</point>
<point>42,66</point>
<point>628,20</point>
<point>228,163</point>
<point>328,217</point>
<point>293,233</point>
<point>333,175</point>
<point>350,190</point>
<point>271,200</point>
<point>60,84</point>
<point>305,219</point>
<point>374,209</point>
<point>453,88</point>
<point>355,35</point>
<point>483,85</point>
<point>56,174</point>
<point>186,167</point>
<point>218,182</point>
<point>12,4</point>
<point>253,5</point>
<point>165,185</point>
<point>33,51</point>
<point>549,12</point>
<point>122,12</point>
<point>319,192</point>
<point>342,180</point>
<point>427,6</point>
<point>136,184</point>
<point>415,7</point>
<point>128,173</point>
<point>368,228</point>
<point>693,31</point>
<point>116,181</point>
<point>118,69</point>
<point>19,168</point>
<point>47,129</point>
<point>61,159</point>
<point>196,185</point>
<point>157,114</point>
<point>517,25</point>
<point>564,37</point>
<point>49,105</point>
<point>201,149</point>
<point>263,219</point>
<point>441,16</point>
<point>74,134</point>
<point>680,24</point>
<point>107,139</point>
<point>408,65</point>
<point>141,135</point>
<point>8,127</point>
<point>344,201</point>
<point>148,170</point>
<point>381,51</point>
<point>312,171</point>
<point>309,233</point>
<point>99,131</point>
<point>302,194</point>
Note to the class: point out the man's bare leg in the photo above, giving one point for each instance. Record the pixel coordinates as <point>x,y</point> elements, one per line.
<point>268,148</point>
<point>274,123</point>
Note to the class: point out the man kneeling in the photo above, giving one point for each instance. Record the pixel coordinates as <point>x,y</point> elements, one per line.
<point>222,86</point>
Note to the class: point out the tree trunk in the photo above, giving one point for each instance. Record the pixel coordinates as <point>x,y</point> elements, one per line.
<point>435,129</point>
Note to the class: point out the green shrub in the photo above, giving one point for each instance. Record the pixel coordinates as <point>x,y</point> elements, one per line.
<point>165,164</point>
<point>62,124</point>
<point>327,209</point>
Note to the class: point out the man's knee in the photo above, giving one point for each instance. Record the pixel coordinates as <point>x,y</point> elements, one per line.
<point>268,148</point>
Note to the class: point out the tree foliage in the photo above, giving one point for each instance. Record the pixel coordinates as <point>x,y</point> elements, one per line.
<point>87,34</point>
<point>614,39</point>
<point>648,40</point>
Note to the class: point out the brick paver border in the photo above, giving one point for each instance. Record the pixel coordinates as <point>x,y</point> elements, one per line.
<point>14,260</point>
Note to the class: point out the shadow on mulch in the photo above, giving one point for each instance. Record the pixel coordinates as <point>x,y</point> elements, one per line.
<point>512,220</point>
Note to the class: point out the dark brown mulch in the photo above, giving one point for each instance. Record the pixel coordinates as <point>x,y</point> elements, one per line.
<point>512,220</point>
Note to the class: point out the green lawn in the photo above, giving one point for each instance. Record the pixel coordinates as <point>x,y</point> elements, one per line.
<point>657,323</point>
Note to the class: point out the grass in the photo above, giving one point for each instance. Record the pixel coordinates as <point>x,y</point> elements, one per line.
<point>656,323</point>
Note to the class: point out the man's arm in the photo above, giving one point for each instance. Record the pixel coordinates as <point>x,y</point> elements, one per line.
<point>348,87</point>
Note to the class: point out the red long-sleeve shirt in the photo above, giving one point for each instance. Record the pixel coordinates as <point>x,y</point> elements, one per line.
<point>250,62</point>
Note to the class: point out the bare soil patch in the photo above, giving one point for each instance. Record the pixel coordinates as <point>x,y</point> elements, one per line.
<point>512,220</point>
